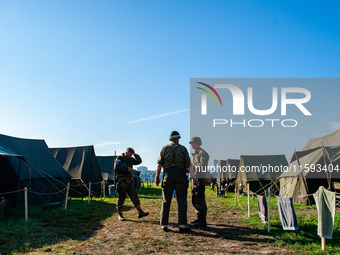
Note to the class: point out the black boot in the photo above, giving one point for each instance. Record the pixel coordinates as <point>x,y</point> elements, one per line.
<point>141,214</point>
<point>202,222</point>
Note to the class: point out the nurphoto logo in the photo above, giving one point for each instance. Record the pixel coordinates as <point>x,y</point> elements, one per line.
<point>238,107</point>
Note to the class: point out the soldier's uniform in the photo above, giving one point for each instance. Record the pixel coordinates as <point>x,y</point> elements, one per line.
<point>175,159</point>
<point>124,179</point>
<point>200,158</point>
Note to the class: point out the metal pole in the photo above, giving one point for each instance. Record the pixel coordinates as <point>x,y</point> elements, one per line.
<point>248,200</point>
<point>26,204</point>
<point>66,198</point>
<point>89,192</point>
<point>269,209</point>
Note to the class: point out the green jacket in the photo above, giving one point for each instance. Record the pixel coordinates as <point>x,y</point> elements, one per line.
<point>122,164</point>
<point>174,155</point>
<point>200,157</point>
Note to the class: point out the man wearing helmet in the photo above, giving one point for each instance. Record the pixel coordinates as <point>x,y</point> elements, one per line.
<point>200,159</point>
<point>174,159</point>
<point>123,166</point>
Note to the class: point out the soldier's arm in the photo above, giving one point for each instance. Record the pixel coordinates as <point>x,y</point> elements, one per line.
<point>137,160</point>
<point>158,172</point>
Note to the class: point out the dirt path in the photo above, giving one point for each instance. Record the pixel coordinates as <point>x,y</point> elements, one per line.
<point>224,235</point>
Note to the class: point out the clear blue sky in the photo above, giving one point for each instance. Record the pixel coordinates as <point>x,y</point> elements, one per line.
<point>115,74</point>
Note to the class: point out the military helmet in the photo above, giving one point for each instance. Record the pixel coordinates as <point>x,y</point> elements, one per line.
<point>196,139</point>
<point>174,135</point>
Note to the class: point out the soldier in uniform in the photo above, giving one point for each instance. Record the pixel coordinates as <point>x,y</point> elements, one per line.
<point>174,159</point>
<point>123,166</point>
<point>200,158</point>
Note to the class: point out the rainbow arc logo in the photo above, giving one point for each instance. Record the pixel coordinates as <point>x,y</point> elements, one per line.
<point>209,93</point>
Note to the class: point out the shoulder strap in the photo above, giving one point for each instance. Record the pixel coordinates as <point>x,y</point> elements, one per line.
<point>174,151</point>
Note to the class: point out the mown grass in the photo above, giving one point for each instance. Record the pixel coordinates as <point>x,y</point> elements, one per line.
<point>59,230</point>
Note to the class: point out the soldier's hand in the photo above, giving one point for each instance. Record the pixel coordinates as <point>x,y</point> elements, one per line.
<point>157,181</point>
<point>129,169</point>
<point>196,183</point>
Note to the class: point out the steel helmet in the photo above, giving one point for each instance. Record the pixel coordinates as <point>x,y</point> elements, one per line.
<point>196,139</point>
<point>174,135</point>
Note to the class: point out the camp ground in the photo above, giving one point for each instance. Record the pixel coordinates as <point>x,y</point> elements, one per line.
<point>255,170</point>
<point>316,165</point>
<point>81,163</point>
<point>29,163</point>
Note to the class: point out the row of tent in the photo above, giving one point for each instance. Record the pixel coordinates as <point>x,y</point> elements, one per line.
<point>317,164</point>
<point>46,171</point>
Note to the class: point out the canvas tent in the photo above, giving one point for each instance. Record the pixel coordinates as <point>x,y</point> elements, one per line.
<point>106,166</point>
<point>29,163</point>
<point>256,170</point>
<point>81,163</point>
<point>316,165</point>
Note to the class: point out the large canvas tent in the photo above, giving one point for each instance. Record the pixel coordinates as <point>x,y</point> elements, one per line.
<point>81,163</point>
<point>29,163</point>
<point>106,166</point>
<point>316,165</point>
<point>256,170</point>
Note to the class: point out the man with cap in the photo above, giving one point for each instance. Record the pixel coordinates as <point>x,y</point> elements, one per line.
<point>175,160</point>
<point>123,167</point>
<point>199,161</point>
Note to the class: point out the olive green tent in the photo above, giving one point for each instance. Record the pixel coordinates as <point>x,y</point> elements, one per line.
<point>81,163</point>
<point>260,171</point>
<point>309,169</point>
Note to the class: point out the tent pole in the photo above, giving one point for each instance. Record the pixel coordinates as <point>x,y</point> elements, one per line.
<point>303,178</point>
<point>327,172</point>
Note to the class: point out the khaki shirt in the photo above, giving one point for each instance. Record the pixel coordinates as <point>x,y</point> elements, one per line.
<point>200,157</point>
<point>168,159</point>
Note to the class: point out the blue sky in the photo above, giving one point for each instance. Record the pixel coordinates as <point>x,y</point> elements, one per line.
<point>115,74</point>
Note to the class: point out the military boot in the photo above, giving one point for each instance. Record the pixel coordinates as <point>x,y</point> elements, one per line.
<point>202,222</point>
<point>195,220</point>
<point>121,217</point>
<point>142,214</point>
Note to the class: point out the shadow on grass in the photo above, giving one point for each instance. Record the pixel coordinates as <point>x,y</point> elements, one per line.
<point>44,228</point>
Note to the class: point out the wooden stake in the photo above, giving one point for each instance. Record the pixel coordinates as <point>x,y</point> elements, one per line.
<point>26,204</point>
<point>269,209</point>
<point>235,192</point>
<point>66,198</point>
<point>323,243</point>
<point>89,192</point>
<point>248,200</point>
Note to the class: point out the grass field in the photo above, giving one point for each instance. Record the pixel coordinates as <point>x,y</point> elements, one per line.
<point>94,229</point>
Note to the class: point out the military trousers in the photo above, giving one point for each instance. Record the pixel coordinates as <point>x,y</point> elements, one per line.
<point>174,179</point>
<point>198,198</point>
<point>126,187</point>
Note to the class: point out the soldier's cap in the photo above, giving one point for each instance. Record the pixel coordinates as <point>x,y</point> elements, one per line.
<point>174,135</point>
<point>196,139</point>
<point>129,150</point>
